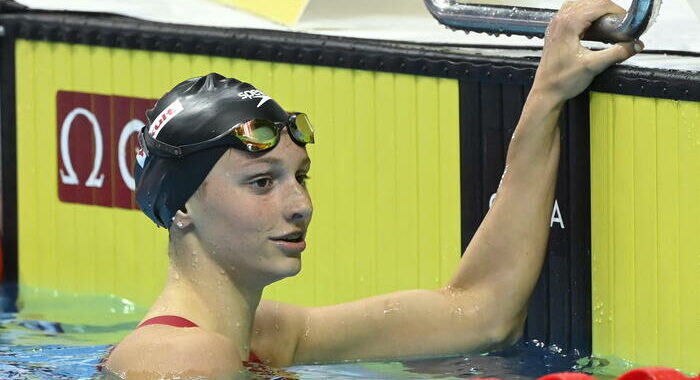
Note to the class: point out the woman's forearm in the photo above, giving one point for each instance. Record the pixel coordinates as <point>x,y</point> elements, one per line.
<point>502,262</point>
<point>505,257</point>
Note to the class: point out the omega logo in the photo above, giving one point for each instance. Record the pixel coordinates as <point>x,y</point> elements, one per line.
<point>110,136</point>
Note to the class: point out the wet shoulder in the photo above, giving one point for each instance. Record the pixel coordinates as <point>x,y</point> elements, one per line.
<point>157,351</point>
<point>276,332</point>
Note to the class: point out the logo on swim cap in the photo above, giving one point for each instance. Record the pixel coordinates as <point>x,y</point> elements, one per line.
<point>141,152</point>
<point>164,117</point>
<point>254,94</point>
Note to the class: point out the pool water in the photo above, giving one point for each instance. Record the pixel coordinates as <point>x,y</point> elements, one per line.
<point>32,347</point>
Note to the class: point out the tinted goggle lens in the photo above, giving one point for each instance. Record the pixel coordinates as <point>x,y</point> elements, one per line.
<point>259,135</point>
<point>301,128</point>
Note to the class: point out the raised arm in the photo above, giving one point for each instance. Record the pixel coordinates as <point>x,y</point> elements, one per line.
<point>484,305</point>
<point>504,259</point>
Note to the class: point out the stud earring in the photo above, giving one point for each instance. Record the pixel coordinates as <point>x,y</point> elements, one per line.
<point>180,224</point>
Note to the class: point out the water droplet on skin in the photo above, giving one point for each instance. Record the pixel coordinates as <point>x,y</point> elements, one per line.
<point>392,308</point>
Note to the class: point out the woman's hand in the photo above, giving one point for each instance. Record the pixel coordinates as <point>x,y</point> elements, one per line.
<point>567,68</point>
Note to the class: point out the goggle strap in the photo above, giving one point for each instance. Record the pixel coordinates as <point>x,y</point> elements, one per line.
<point>160,148</point>
<point>165,150</point>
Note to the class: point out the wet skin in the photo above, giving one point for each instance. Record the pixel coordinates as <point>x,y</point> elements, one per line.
<point>246,204</point>
<point>225,247</point>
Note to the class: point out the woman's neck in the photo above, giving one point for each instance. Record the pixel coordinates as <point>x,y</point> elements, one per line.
<point>199,290</point>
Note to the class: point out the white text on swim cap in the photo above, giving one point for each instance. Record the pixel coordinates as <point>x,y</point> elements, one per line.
<point>164,117</point>
<point>254,94</point>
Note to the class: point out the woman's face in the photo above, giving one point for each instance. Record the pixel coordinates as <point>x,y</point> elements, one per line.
<point>252,211</point>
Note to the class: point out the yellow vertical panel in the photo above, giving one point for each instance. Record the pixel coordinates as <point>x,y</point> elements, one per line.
<point>30,269</point>
<point>104,223</point>
<point>668,237</point>
<point>200,65</point>
<point>54,264</point>
<point>645,227</point>
<point>601,224</point>
<point>344,189</point>
<point>161,74</point>
<point>623,219</point>
<point>689,233</point>
<point>322,231</point>
<point>281,85</point>
<point>261,75</point>
<point>31,200</point>
<point>406,176</point>
<point>180,69</point>
<point>449,198</point>
<point>428,180</point>
<point>641,176</point>
<point>366,146</point>
<point>222,66</point>
<point>242,70</point>
<point>387,228</point>
<point>46,168</point>
<point>122,72</point>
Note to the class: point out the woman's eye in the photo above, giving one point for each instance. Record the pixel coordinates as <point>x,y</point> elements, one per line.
<point>262,183</point>
<point>302,178</point>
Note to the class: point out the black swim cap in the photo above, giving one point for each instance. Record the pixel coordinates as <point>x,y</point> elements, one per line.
<point>196,110</point>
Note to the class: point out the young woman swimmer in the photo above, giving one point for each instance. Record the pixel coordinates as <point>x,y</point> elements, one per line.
<point>223,169</point>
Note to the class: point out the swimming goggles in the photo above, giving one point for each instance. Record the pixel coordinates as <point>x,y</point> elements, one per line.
<point>254,135</point>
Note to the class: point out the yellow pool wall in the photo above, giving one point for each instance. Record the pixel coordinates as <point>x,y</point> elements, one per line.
<point>645,229</point>
<point>387,214</point>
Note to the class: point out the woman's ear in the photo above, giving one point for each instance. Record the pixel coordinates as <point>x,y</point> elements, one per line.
<point>182,219</point>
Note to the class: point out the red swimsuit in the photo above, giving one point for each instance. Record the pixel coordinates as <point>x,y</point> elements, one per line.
<point>175,321</point>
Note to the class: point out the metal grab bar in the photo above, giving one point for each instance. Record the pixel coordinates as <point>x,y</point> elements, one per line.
<point>532,22</point>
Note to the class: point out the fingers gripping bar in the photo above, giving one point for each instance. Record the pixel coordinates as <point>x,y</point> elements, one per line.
<point>532,22</point>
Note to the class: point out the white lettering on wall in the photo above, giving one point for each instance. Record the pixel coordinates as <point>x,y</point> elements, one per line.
<point>69,177</point>
<point>556,216</point>
<point>130,127</point>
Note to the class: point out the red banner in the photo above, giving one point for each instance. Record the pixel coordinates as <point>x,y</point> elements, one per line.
<point>96,147</point>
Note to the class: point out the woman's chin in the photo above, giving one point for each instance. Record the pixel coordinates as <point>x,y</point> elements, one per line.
<point>287,267</point>
<point>293,267</point>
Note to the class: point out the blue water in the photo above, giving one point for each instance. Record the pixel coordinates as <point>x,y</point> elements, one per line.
<point>33,348</point>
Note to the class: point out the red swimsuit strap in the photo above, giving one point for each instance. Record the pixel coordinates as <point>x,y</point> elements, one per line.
<point>170,320</point>
<point>175,321</point>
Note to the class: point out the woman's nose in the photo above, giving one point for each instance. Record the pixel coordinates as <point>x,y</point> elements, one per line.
<point>299,207</point>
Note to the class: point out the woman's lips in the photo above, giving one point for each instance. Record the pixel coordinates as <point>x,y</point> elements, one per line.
<point>290,247</point>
